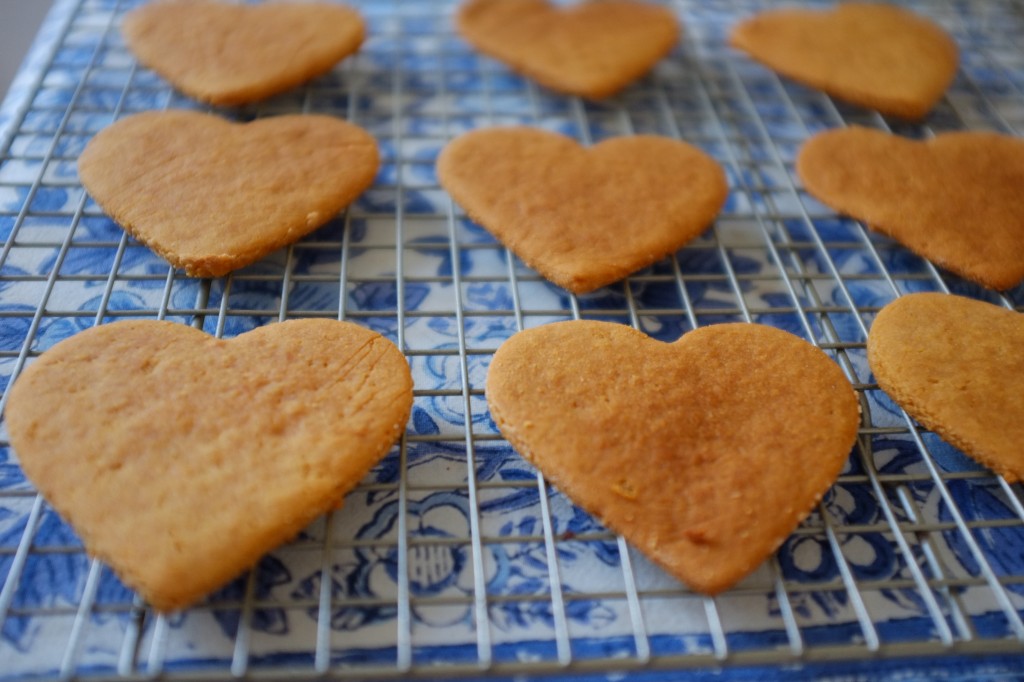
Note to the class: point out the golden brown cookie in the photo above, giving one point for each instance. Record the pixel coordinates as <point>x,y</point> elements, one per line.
<point>955,365</point>
<point>180,459</point>
<point>953,199</point>
<point>704,453</point>
<point>212,196</point>
<point>583,217</point>
<point>229,54</point>
<point>875,55</point>
<point>593,49</point>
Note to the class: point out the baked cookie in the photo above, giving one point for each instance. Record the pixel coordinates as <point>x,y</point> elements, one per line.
<point>212,196</point>
<point>705,453</point>
<point>180,459</point>
<point>229,54</point>
<point>583,217</point>
<point>593,49</point>
<point>954,364</point>
<point>875,55</point>
<point>953,199</point>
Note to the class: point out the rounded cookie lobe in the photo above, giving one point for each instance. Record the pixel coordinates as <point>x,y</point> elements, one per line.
<point>180,459</point>
<point>954,365</point>
<point>230,54</point>
<point>583,217</point>
<point>704,453</point>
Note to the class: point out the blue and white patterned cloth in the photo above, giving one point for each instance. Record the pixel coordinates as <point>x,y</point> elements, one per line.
<point>448,559</point>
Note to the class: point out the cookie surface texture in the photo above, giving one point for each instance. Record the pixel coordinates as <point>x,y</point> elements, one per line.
<point>181,459</point>
<point>874,55</point>
<point>228,54</point>
<point>954,364</point>
<point>212,196</point>
<point>583,217</point>
<point>953,199</point>
<point>592,49</point>
<point>704,453</point>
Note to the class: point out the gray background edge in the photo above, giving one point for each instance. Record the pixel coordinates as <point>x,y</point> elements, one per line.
<point>19,24</point>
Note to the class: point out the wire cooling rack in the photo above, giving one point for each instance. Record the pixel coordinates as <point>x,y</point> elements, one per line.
<point>454,558</point>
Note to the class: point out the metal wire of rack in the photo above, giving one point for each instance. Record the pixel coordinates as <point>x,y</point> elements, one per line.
<point>455,558</point>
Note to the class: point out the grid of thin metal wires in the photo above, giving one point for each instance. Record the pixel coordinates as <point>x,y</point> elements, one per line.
<point>404,260</point>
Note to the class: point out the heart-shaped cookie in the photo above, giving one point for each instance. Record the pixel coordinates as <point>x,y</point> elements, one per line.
<point>875,55</point>
<point>593,49</point>
<point>230,54</point>
<point>212,196</point>
<point>954,199</point>
<point>180,459</point>
<point>954,364</point>
<point>704,453</point>
<point>583,217</point>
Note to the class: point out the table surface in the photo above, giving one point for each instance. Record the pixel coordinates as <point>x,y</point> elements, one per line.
<point>21,21</point>
<point>454,557</point>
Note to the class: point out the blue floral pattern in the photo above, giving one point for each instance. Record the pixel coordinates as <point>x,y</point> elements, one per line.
<point>452,552</point>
